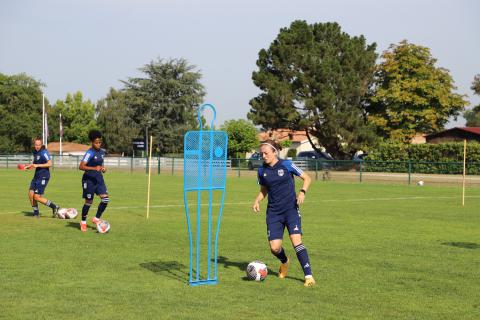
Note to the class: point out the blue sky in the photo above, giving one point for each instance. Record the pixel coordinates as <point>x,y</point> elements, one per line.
<point>91,45</point>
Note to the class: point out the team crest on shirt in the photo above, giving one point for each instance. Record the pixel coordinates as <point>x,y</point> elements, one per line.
<point>38,157</point>
<point>280,172</point>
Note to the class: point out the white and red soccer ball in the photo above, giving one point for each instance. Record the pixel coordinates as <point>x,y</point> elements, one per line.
<point>257,270</point>
<point>103,226</point>
<point>67,213</point>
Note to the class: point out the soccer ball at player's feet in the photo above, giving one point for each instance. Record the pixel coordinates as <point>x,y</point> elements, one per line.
<point>257,270</point>
<point>103,226</point>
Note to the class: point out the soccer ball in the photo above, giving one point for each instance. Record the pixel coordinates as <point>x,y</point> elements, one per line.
<point>257,270</point>
<point>67,213</point>
<point>420,183</point>
<point>103,226</point>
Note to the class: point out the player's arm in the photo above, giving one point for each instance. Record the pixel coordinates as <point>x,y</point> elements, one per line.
<point>83,166</point>
<point>42,165</point>
<point>306,184</point>
<point>261,195</point>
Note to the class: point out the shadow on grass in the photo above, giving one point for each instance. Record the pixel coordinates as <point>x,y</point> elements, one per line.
<point>243,267</point>
<point>465,245</point>
<point>170,269</point>
<point>27,213</point>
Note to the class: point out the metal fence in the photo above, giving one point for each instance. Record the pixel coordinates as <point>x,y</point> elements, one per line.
<point>408,172</point>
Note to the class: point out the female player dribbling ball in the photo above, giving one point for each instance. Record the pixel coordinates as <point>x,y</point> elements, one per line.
<point>276,179</point>
<point>41,163</point>
<point>92,179</point>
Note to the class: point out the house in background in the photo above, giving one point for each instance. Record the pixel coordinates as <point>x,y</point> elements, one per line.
<point>455,135</point>
<point>68,148</point>
<point>299,140</point>
<point>419,138</point>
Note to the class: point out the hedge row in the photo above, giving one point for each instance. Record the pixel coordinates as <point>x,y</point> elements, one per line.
<point>425,158</point>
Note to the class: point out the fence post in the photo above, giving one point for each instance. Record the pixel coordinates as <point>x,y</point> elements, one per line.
<point>238,167</point>
<point>316,169</point>
<point>173,164</point>
<point>409,171</point>
<point>131,164</point>
<point>7,161</point>
<point>147,162</point>
<point>361,169</point>
<point>158,159</point>
<point>76,159</point>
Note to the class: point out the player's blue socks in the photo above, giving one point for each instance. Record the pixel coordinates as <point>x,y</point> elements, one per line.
<point>35,211</point>
<point>50,204</point>
<point>102,206</point>
<point>302,256</point>
<point>281,256</point>
<point>85,209</point>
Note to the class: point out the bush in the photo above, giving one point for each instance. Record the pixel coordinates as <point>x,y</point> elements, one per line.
<point>424,158</point>
<point>291,153</point>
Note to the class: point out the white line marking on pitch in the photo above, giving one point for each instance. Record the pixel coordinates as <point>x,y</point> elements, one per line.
<point>311,201</point>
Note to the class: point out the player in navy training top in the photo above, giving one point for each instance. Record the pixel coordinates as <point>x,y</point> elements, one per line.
<point>41,162</point>
<point>276,179</point>
<point>92,179</point>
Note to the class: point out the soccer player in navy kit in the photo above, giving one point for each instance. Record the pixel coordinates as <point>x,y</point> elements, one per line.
<point>276,179</point>
<point>41,162</point>
<point>92,179</point>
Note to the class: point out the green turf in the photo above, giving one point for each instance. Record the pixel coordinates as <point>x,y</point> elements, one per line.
<point>377,252</point>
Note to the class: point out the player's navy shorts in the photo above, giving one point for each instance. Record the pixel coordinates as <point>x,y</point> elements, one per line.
<point>92,186</point>
<point>38,185</point>
<point>276,224</point>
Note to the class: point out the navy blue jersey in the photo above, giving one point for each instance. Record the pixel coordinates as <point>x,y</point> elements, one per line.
<point>280,184</point>
<point>93,158</point>
<point>41,157</point>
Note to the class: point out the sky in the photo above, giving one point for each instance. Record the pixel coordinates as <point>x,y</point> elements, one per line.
<point>91,45</point>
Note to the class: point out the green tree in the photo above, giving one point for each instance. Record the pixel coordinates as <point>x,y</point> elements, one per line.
<point>164,102</point>
<point>473,116</point>
<point>242,137</point>
<point>20,112</point>
<point>314,78</point>
<point>412,94</point>
<point>78,118</point>
<point>115,122</point>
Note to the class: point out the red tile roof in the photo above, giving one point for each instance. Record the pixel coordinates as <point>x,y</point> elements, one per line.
<point>283,134</point>
<point>67,147</point>
<point>475,130</point>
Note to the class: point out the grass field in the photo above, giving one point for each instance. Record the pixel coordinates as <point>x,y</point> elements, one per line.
<point>377,252</point>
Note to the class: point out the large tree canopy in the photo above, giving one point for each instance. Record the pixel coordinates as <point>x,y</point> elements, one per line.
<point>314,78</point>
<point>113,119</point>
<point>20,112</point>
<point>78,118</point>
<point>165,100</point>
<point>412,94</point>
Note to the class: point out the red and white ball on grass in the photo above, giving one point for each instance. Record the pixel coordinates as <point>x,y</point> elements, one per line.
<point>103,226</point>
<point>257,270</point>
<point>67,213</point>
